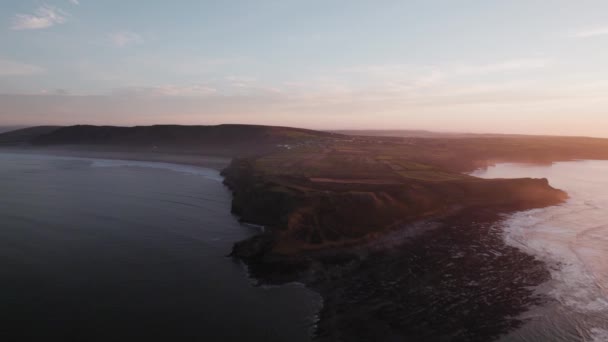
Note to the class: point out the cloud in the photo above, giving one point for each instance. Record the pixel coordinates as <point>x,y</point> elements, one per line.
<point>44,17</point>
<point>391,77</point>
<point>438,71</point>
<point>504,66</point>
<point>193,90</point>
<point>405,79</point>
<point>12,68</point>
<point>75,2</point>
<point>417,85</point>
<point>56,92</point>
<point>124,38</point>
<point>486,106</point>
<point>590,32</point>
<point>188,65</point>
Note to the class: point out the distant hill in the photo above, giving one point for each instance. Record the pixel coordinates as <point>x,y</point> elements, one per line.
<point>388,133</point>
<point>229,139</point>
<point>404,133</point>
<point>10,128</point>
<point>25,135</point>
<point>176,135</point>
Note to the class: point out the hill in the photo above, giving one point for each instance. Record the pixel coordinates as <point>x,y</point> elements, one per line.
<point>397,133</point>
<point>224,140</point>
<point>176,135</point>
<point>408,133</point>
<point>10,128</point>
<point>25,135</point>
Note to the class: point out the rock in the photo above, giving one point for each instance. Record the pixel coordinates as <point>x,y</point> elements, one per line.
<point>254,247</point>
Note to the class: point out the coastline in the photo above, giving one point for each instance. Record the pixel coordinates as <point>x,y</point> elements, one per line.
<point>175,220</point>
<point>415,288</point>
<point>570,239</point>
<point>366,281</point>
<point>213,162</point>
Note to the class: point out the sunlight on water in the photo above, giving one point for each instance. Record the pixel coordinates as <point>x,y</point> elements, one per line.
<point>572,239</point>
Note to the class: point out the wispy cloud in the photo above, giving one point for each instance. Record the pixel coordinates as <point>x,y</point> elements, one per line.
<point>13,68</point>
<point>194,90</point>
<point>56,92</point>
<point>44,17</point>
<point>590,32</point>
<point>75,2</point>
<point>503,66</point>
<point>396,77</point>
<point>124,38</point>
<point>405,80</point>
<point>392,70</point>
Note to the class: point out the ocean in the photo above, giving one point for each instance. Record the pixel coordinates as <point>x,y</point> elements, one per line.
<point>102,250</point>
<point>105,250</point>
<point>572,240</point>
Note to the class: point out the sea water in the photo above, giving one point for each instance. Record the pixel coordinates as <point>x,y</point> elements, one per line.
<point>104,250</point>
<point>572,239</point>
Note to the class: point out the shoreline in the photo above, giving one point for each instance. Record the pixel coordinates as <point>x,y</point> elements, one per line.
<point>381,289</point>
<point>205,162</point>
<point>350,267</point>
<point>176,226</point>
<point>570,239</point>
<point>392,292</point>
<point>212,162</point>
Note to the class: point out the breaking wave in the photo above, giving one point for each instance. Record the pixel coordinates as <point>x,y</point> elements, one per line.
<point>572,239</point>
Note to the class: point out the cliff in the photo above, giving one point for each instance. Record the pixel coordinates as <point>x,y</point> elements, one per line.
<point>302,214</point>
<point>389,230</point>
<point>315,189</point>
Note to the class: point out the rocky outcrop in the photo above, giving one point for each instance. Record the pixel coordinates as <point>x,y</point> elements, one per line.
<point>300,215</point>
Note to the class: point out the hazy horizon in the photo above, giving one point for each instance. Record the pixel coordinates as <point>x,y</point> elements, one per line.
<point>5,129</point>
<point>476,67</point>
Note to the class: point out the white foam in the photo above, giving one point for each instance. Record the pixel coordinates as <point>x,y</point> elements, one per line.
<point>576,265</point>
<point>599,335</point>
<point>571,238</point>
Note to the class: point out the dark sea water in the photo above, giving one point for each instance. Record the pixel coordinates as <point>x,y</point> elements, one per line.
<point>572,240</point>
<point>98,250</point>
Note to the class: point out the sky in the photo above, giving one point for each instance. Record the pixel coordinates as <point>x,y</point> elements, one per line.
<point>519,66</point>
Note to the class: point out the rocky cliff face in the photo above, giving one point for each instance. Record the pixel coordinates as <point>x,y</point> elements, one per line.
<point>301,215</point>
<point>392,259</point>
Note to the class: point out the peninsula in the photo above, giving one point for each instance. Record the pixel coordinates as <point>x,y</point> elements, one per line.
<point>370,222</point>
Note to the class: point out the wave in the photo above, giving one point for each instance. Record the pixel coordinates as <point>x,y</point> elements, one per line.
<point>575,263</point>
<point>572,240</point>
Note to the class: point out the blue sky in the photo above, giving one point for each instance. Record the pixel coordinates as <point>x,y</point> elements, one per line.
<point>477,66</point>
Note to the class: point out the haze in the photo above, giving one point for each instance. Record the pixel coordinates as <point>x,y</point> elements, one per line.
<point>532,67</point>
